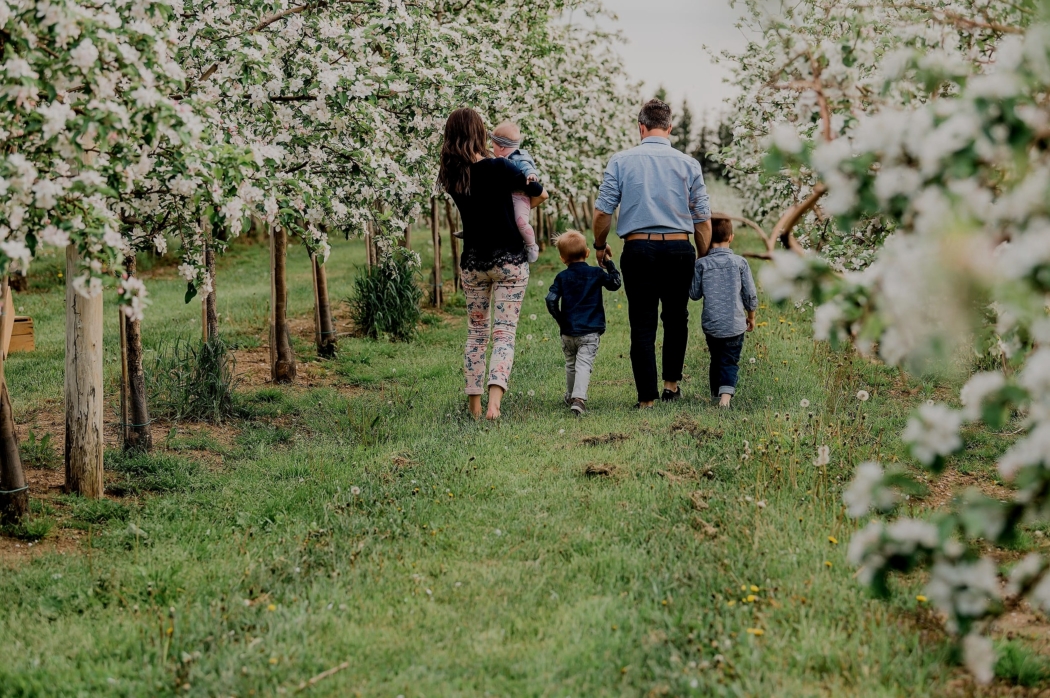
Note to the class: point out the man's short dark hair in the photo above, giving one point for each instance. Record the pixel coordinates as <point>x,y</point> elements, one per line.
<point>721,229</point>
<point>655,114</point>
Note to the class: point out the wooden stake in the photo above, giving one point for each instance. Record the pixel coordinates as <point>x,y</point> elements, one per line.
<point>14,502</point>
<point>124,389</point>
<point>283,368</point>
<point>435,234</point>
<point>84,404</point>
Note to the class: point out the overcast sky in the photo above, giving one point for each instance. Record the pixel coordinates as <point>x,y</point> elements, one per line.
<point>666,40</point>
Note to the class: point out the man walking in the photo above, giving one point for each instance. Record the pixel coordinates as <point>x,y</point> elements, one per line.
<point>663,201</point>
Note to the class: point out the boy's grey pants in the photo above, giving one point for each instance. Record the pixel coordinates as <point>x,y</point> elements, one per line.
<point>580,353</point>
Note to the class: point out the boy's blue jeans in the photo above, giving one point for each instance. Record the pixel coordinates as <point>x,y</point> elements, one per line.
<point>725,357</point>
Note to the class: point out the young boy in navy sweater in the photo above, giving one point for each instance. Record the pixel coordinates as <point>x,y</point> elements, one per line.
<point>575,301</point>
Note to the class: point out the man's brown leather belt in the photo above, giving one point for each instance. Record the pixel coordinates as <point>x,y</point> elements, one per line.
<point>656,237</point>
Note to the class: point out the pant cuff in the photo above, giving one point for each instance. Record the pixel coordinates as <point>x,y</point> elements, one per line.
<point>500,383</point>
<point>727,390</point>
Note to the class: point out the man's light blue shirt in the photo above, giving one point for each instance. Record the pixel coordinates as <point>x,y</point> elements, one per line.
<point>659,189</point>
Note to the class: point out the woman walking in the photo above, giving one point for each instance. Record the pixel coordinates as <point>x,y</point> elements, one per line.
<point>494,268</point>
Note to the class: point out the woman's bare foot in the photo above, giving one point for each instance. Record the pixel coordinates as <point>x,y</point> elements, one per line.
<point>474,404</point>
<point>723,400</point>
<point>495,398</point>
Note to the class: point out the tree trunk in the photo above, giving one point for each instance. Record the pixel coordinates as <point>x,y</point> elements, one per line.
<point>211,311</point>
<point>135,405</point>
<point>326,337</point>
<point>14,492</point>
<point>282,358</point>
<point>83,386</point>
<point>435,236</point>
<point>406,241</point>
<point>454,243</point>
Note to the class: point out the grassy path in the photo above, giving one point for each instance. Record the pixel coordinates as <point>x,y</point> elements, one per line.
<point>367,520</point>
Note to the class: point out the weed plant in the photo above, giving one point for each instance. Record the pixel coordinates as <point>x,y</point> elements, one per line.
<point>385,300</point>
<point>39,452</point>
<point>193,381</point>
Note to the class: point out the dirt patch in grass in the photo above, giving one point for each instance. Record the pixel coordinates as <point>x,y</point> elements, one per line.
<point>951,483</point>
<point>684,424</point>
<point>610,438</point>
<point>601,470</point>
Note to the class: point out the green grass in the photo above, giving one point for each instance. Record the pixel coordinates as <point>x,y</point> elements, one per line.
<point>371,521</point>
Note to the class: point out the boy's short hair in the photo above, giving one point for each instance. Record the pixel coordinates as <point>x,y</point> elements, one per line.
<point>572,246</point>
<point>721,229</point>
<point>655,114</point>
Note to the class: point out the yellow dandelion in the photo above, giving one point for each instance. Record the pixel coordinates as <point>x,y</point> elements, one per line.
<point>758,632</point>
<point>827,563</point>
<point>920,598</point>
<point>743,587</point>
<point>751,598</point>
<point>731,602</point>
<point>833,540</point>
<point>273,660</point>
<point>754,588</point>
<point>271,607</point>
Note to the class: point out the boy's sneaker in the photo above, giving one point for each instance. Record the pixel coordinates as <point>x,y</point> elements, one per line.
<point>567,399</point>
<point>669,396</point>
<point>578,406</point>
<point>533,252</point>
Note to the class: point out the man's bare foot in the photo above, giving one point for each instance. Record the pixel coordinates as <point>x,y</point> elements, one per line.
<point>474,405</point>
<point>723,401</point>
<point>495,398</point>
<point>648,405</point>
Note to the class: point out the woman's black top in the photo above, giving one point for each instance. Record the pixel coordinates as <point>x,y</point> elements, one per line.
<point>490,235</point>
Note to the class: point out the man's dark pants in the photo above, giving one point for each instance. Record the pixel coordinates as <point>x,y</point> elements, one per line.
<point>657,273</point>
<point>725,363</point>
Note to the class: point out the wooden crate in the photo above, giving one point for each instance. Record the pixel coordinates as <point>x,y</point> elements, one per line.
<point>22,335</point>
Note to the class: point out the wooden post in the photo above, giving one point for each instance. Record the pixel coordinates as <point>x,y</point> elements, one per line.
<point>325,326</point>
<point>435,234</point>
<point>84,404</point>
<point>211,310</point>
<point>134,402</point>
<point>282,366</point>
<point>14,492</point>
<point>457,283</point>
<point>406,241</point>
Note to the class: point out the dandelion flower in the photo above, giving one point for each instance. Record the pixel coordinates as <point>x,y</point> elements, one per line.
<point>823,456</point>
<point>271,607</point>
<point>921,599</point>
<point>827,563</point>
<point>754,588</point>
<point>528,337</point>
<point>757,632</point>
<point>532,393</point>
<point>863,395</point>
<point>833,540</point>
<point>803,403</point>
<point>751,360</point>
<point>532,317</point>
<point>355,490</point>
<point>561,431</point>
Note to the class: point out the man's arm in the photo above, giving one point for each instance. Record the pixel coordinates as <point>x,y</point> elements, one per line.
<point>602,226</point>
<point>604,206</point>
<point>700,207</point>
<point>702,237</point>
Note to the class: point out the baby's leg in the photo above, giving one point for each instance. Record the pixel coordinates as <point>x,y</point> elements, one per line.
<point>522,213</point>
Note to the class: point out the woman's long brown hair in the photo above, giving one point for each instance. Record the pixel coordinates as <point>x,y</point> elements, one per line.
<point>465,136</point>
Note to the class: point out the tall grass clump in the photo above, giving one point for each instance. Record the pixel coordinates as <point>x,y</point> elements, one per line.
<point>194,381</point>
<point>385,299</point>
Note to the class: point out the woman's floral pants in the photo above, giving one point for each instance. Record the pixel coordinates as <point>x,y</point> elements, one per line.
<point>500,289</point>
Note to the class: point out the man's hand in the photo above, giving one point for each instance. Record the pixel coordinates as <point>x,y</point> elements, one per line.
<point>603,256</point>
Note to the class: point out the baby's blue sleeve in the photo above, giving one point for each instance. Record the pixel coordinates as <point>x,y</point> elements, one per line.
<point>524,162</point>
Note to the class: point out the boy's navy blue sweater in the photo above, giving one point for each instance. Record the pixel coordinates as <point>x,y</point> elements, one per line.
<point>575,297</point>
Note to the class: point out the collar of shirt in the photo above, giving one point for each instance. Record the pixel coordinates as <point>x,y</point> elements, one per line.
<point>720,250</point>
<point>577,265</point>
<point>657,139</point>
